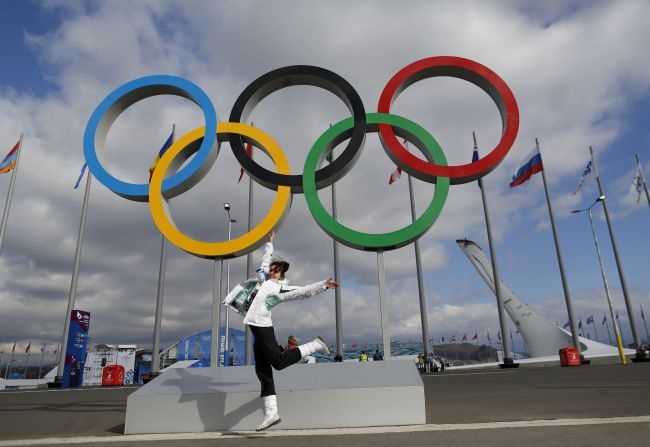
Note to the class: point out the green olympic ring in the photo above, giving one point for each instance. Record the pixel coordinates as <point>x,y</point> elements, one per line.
<point>342,130</point>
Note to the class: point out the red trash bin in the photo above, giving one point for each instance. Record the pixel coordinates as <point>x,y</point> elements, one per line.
<point>113,375</point>
<point>569,357</point>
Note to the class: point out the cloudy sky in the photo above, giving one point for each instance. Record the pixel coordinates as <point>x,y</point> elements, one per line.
<point>579,71</point>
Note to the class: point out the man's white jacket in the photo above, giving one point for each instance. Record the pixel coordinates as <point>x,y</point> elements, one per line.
<point>273,292</point>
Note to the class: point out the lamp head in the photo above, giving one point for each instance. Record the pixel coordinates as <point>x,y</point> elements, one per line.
<point>226,206</point>
<point>575,211</point>
<point>600,199</point>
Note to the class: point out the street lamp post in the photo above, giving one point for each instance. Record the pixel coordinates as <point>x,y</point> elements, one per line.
<point>617,332</point>
<point>226,206</point>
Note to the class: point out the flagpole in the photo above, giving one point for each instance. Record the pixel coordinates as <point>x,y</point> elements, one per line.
<point>617,332</point>
<point>558,251</point>
<point>29,351</point>
<point>7,369</point>
<point>10,193</point>
<point>593,323</point>
<point>337,291</point>
<point>383,305</point>
<point>645,187</point>
<point>249,266</point>
<point>645,324</point>
<point>216,313</point>
<point>418,269</point>
<point>40,367</point>
<point>508,361</point>
<point>73,283</point>
<point>609,334</point>
<point>628,303</point>
<point>155,350</point>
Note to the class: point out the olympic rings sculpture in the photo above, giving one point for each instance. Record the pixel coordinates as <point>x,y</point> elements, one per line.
<point>203,144</point>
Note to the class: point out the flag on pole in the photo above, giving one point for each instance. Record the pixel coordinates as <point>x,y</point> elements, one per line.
<point>249,152</point>
<point>465,337</point>
<point>43,348</point>
<point>566,325</point>
<point>587,175</point>
<point>475,337</point>
<point>81,175</point>
<point>488,337</point>
<point>499,335</point>
<point>14,348</point>
<point>642,316</point>
<point>395,176</point>
<point>160,153</point>
<point>638,181</point>
<point>452,339</point>
<point>10,160</point>
<point>330,156</point>
<point>474,159</point>
<point>442,339</point>
<point>531,165</point>
<point>590,320</point>
<point>580,324</point>
<point>619,321</point>
<point>27,348</point>
<point>604,319</point>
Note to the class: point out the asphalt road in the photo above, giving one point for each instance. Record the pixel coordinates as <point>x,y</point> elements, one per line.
<point>593,405</point>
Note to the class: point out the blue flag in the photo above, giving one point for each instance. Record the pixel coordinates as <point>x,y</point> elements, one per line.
<point>566,325</point>
<point>475,158</point>
<point>81,175</point>
<point>604,319</point>
<point>590,319</point>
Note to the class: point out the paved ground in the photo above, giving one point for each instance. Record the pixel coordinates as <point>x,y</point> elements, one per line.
<point>595,405</point>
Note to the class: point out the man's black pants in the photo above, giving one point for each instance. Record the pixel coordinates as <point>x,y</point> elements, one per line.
<point>268,354</point>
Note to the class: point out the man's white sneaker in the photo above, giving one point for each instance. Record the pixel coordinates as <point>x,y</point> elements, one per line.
<point>269,421</point>
<point>322,345</point>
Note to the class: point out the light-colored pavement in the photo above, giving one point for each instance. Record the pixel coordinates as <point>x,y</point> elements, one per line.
<point>594,406</point>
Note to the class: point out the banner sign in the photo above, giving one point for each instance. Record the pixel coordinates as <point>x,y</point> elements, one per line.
<point>75,351</point>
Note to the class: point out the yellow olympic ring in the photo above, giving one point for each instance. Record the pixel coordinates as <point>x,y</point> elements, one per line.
<point>246,243</point>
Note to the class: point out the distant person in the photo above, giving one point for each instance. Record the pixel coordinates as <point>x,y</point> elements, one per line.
<point>421,366</point>
<point>274,289</point>
<point>377,356</point>
<point>338,358</point>
<point>363,357</point>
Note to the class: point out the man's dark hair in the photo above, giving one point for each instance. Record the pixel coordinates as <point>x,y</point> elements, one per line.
<point>282,266</point>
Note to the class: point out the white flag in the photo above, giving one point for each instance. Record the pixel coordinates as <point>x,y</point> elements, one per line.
<point>587,175</point>
<point>638,182</point>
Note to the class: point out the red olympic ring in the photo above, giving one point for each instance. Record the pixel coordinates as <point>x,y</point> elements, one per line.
<point>467,70</point>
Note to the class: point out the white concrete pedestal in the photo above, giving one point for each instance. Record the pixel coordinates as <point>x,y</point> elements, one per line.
<point>322,395</point>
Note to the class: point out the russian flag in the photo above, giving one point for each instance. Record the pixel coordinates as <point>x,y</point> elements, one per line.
<point>531,165</point>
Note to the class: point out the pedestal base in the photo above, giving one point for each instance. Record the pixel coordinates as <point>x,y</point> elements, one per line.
<point>322,395</point>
